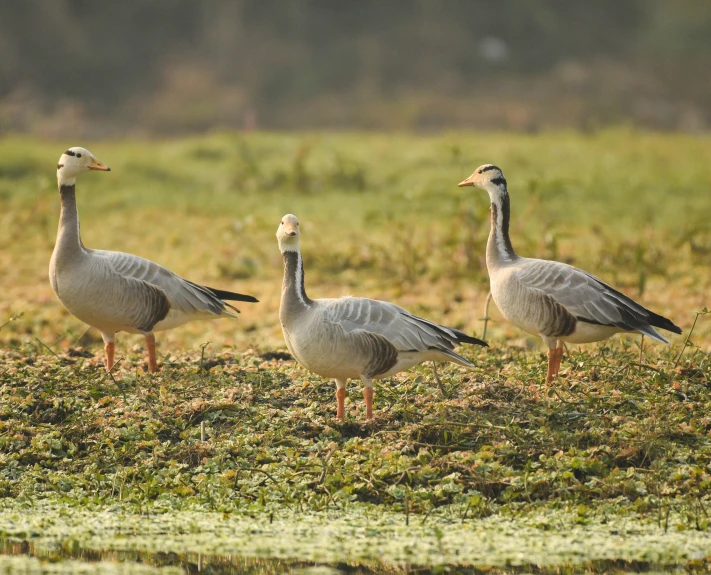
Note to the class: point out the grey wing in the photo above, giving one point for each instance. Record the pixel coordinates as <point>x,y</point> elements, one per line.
<point>182,294</point>
<point>405,331</point>
<point>591,300</point>
<point>142,305</point>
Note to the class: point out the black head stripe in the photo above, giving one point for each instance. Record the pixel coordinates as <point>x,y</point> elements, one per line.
<point>500,181</point>
<point>70,153</point>
<point>487,168</point>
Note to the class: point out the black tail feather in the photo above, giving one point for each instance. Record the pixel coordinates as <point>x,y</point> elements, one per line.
<point>657,320</point>
<point>231,296</point>
<point>633,312</point>
<point>464,338</point>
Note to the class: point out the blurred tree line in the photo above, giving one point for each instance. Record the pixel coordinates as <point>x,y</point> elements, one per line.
<point>172,66</point>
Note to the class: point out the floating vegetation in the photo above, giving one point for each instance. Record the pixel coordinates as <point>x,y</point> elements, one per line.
<point>365,534</point>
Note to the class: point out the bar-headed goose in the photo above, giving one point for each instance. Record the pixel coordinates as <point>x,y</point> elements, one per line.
<point>113,291</point>
<point>550,299</point>
<point>353,337</point>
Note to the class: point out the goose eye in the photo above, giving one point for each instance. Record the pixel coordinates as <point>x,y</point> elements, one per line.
<point>78,155</point>
<point>282,223</point>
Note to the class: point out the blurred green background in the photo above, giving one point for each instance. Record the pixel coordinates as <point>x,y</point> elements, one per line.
<point>146,67</point>
<point>381,216</point>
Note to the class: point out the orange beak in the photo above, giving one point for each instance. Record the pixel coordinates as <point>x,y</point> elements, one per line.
<point>468,182</point>
<point>97,165</point>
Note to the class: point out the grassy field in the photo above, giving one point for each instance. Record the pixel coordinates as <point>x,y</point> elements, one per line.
<point>231,425</point>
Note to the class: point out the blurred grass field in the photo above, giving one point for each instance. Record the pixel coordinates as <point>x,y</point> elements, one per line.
<point>381,216</point>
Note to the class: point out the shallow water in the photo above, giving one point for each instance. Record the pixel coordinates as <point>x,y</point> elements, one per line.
<point>32,557</point>
<point>53,536</point>
<point>72,557</point>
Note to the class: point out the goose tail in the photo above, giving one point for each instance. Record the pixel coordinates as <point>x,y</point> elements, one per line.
<point>464,338</point>
<point>455,357</point>
<point>231,296</point>
<point>662,322</point>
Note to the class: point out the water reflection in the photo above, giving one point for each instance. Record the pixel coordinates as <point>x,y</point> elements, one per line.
<point>195,563</point>
<point>189,562</point>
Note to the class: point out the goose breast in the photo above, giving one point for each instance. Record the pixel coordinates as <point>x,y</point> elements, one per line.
<point>327,349</point>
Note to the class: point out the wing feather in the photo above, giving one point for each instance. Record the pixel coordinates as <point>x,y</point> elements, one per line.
<point>190,298</point>
<point>402,329</point>
<point>589,299</point>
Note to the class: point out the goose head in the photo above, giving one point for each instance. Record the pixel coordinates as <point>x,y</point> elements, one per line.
<point>76,161</point>
<point>489,178</point>
<point>288,234</point>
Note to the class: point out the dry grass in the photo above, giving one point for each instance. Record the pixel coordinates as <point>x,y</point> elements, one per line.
<point>382,217</point>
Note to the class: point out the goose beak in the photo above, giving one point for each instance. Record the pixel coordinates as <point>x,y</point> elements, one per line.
<point>97,165</point>
<point>468,182</point>
<point>290,230</point>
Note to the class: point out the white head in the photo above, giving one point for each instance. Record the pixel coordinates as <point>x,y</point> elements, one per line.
<point>491,179</point>
<point>76,161</point>
<point>487,177</point>
<point>288,234</point>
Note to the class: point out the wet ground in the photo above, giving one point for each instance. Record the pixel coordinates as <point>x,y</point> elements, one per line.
<point>37,557</point>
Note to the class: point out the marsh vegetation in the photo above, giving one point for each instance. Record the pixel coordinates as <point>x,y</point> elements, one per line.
<point>232,426</point>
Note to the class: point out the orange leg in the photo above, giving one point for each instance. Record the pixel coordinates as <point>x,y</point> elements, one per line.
<point>341,398</point>
<point>368,396</point>
<point>109,348</point>
<point>558,359</point>
<point>554,358</point>
<point>552,353</point>
<point>151,346</point>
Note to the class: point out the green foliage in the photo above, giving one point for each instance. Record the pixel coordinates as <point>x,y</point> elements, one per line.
<point>624,431</point>
<point>610,430</point>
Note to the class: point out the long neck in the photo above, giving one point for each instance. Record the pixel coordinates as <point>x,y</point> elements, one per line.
<point>499,250</point>
<point>293,294</point>
<point>68,236</point>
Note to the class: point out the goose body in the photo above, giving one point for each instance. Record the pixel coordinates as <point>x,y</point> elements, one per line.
<point>115,291</point>
<point>350,337</point>
<point>553,300</point>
